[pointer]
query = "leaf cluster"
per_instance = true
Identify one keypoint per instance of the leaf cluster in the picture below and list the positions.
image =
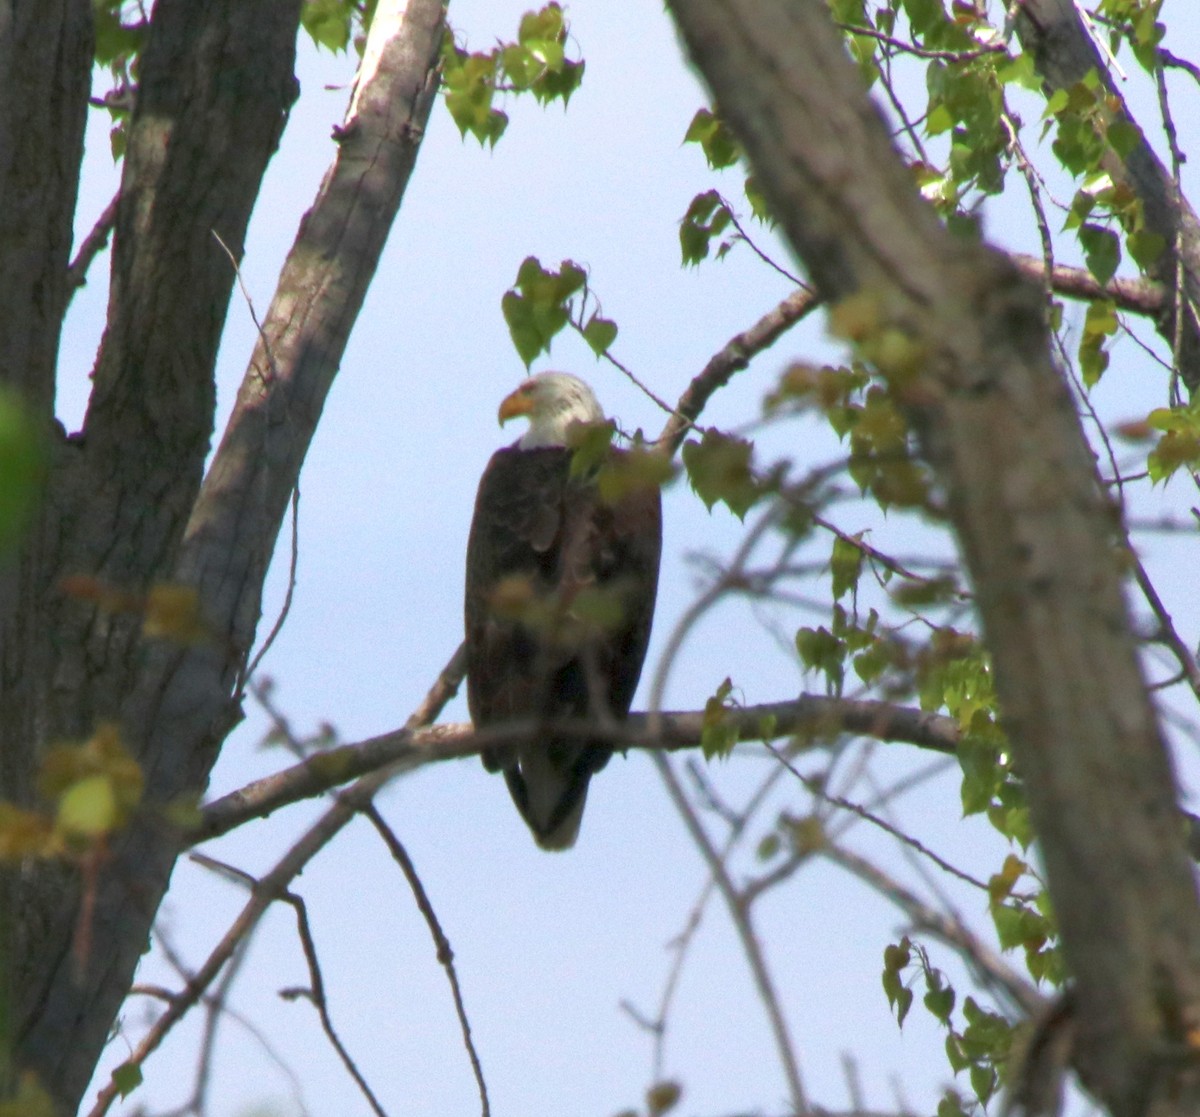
(535, 62)
(709, 215)
(542, 302)
(979, 1042)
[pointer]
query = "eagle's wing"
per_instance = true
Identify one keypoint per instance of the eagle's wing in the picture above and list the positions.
(512, 553)
(559, 602)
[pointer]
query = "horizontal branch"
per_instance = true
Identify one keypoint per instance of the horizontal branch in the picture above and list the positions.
(1138, 296)
(816, 717)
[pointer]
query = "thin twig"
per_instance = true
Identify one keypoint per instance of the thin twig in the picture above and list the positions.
(739, 913)
(286, 607)
(316, 993)
(762, 255)
(271, 888)
(1178, 63)
(1167, 633)
(445, 955)
(1177, 158)
(277, 627)
(925, 52)
(815, 788)
(93, 244)
(989, 968)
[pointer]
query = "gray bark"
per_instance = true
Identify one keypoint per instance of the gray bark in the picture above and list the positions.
(996, 422)
(128, 504)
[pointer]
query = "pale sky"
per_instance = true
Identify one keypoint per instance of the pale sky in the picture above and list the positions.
(547, 946)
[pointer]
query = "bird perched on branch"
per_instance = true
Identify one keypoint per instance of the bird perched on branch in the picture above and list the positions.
(562, 571)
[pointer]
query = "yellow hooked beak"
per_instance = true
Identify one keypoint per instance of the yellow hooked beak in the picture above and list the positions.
(516, 404)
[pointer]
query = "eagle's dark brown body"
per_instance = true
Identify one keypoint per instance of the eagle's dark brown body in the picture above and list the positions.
(561, 558)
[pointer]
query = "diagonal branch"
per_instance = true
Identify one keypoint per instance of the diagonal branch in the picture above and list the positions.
(269, 888)
(732, 358)
(1063, 52)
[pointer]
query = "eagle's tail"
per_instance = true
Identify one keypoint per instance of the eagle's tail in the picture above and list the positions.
(549, 785)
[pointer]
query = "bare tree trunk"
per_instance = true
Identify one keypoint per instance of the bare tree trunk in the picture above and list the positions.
(126, 502)
(997, 423)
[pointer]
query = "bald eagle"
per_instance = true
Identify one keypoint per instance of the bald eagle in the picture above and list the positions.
(559, 601)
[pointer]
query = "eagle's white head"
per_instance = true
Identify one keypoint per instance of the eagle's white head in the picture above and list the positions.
(552, 402)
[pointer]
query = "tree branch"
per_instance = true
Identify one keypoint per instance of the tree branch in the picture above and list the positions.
(732, 358)
(1063, 52)
(811, 718)
(267, 890)
(989, 968)
(1138, 296)
(92, 245)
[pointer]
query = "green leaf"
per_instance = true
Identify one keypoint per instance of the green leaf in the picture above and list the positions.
(1179, 446)
(896, 958)
(1099, 324)
(954, 1053)
(328, 23)
(662, 1097)
(545, 24)
(940, 1003)
(590, 444)
(951, 1106)
(718, 143)
(469, 81)
(600, 333)
(983, 1081)
(924, 15)
(758, 203)
(560, 83)
(707, 217)
(127, 1078)
(1055, 103)
(114, 39)
(718, 467)
(1146, 248)
(1001, 884)
(636, 470)
(820, 650)
(718, 734)
(536, 307)
(1102, 250)
(88, 808)
(845, 565)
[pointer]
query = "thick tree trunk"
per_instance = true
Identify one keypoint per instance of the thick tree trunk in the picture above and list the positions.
(45, 75)
(126, 504)
(996, 422)
(216, 84)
